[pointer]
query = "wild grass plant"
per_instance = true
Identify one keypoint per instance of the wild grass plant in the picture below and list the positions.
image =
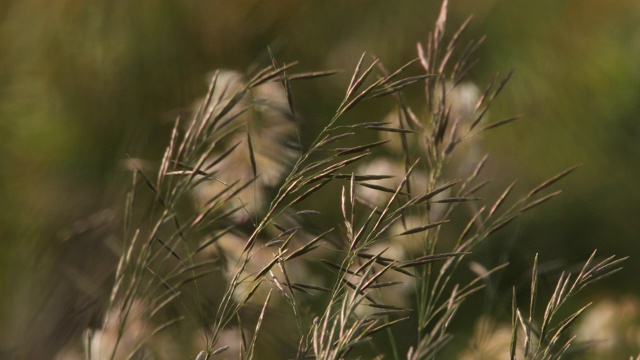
(223, 255)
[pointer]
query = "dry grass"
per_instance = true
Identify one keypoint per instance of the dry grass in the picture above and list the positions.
(222, 237)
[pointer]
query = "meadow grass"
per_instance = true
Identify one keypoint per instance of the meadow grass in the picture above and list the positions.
(223, 255)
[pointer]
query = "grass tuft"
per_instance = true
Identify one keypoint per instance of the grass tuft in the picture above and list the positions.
(232, 215)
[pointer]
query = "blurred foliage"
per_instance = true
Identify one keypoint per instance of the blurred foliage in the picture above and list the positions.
(85, 85)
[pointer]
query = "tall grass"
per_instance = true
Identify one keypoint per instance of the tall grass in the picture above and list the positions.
(221, 255)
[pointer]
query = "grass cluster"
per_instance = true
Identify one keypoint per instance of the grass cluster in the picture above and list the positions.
(223, 257)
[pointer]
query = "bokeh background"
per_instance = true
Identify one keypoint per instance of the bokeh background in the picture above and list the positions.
(84, 85)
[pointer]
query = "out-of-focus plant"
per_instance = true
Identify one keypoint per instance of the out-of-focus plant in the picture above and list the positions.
(223, 237)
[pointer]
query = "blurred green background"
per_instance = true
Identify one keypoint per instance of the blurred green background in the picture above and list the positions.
(85, 84)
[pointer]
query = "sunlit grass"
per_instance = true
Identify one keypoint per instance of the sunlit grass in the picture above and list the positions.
(223, 256)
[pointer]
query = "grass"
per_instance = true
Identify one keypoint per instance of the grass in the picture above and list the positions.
(221, 256)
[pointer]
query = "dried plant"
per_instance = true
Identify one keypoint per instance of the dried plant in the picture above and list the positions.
(550, 338)
(221, 236)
